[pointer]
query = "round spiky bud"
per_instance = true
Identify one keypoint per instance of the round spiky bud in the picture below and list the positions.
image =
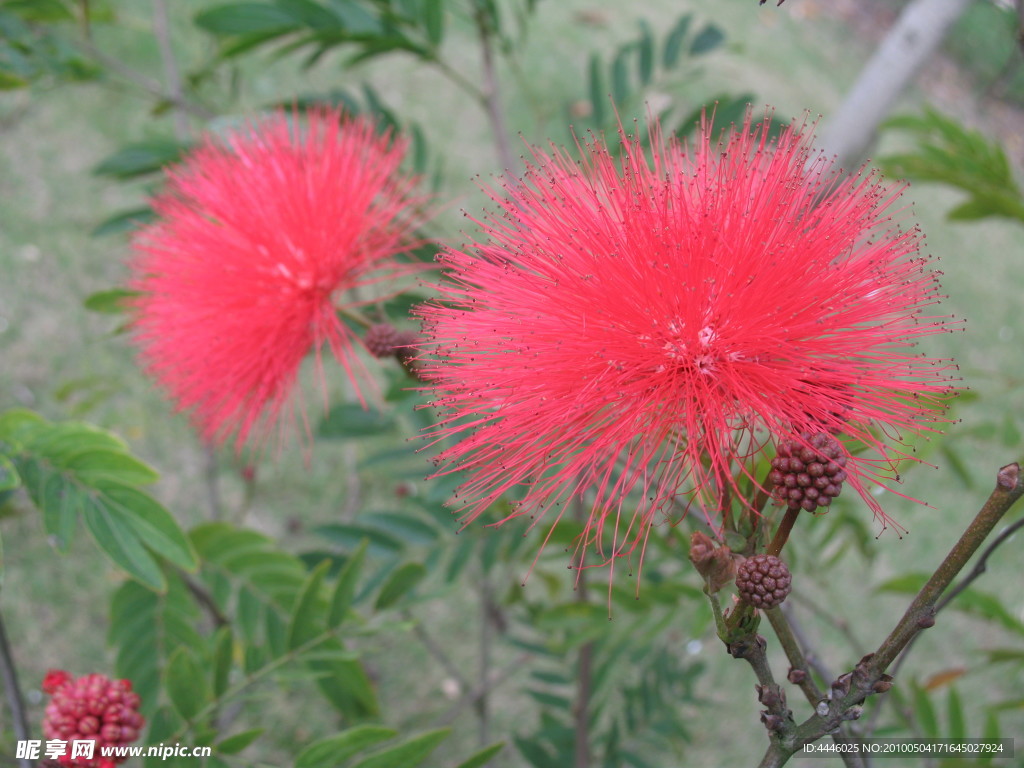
(95, 708)
(763, 581)
(808, 473)
(381, 339)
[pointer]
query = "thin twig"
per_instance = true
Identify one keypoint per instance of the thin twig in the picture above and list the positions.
(802, 660)
(205, 599)
(840, 624)
(484, 688)
(584, 670)
(15, 702)
(149, 85)
(851, 689)
(979, 568)
(491, 96)
(175, 93)
(211, 478)
(435, 650)
(483, 710)
(801, 663)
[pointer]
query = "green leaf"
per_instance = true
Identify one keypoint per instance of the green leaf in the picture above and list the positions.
(232, 745)
(141, 158)
(153, 525)
(398, 584)
(646, 53)
(349, 536)
(308, 619)
(345, 684)
(598, 93)
(707, 40)
(991, 732)
(954, 708)
(312, 15)
(409, 753)
(971, 600)
(223, 657)
(674, 42)
(356, 18)
(10, 81)
(93, 466)
(110, 302)
(621, 90)
(335, 750)
(481, 758)
(949, 153)
(39, 10)
(146, 627)
(350, 420)
(997, 655)
(246, 18)
(433, 21)
(405, 526)
(462, 554)
(907, 583)
(125, 221)
(120, 544)
(345, 589)
(185, 684)
(9, 477)
(925, 712)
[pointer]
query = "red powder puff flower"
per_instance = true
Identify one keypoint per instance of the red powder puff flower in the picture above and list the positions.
(633, 331)
(90, 708)
(258, 235)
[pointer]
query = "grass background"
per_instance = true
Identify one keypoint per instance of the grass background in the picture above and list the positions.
(63, 361)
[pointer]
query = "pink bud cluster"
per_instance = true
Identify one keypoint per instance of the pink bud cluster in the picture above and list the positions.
(92, 707)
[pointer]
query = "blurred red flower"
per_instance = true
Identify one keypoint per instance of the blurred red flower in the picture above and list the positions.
(259, 234)
(631, 331)
(90, 708)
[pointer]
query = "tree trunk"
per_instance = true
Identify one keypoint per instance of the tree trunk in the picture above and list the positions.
(920, 29)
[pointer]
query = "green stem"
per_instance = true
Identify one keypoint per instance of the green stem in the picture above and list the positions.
(356, 317)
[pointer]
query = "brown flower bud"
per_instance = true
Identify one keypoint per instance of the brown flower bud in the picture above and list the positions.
(716, 564)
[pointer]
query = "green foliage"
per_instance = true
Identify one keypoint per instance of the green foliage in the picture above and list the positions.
(272, 618)
(336, 749)
(636, 66)
(75, 471)
(949, 153)
(142, 158)
(36, 46)
(369, 29)
(985, 43)
(970, 600)
(642, 685)
(114, 301)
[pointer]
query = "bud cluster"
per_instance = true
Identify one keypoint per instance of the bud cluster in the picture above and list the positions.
(763, 581)
(384, 340)
(93, 707)
(808, 473)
